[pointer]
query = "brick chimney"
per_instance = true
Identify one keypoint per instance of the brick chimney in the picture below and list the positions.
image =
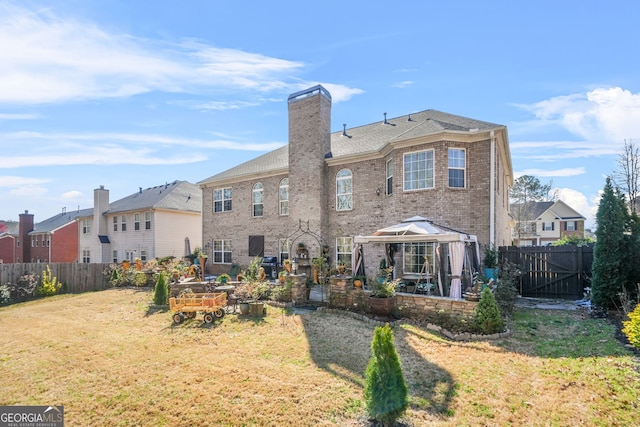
(23, 251)
(309, 143)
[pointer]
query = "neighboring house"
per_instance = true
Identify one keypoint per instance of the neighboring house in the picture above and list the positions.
(56, 239)
(151, 223)
(8, 236)
(325, 188)
(542, 223)
(156, 222)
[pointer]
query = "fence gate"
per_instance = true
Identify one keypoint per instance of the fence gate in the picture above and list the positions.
(552, 271)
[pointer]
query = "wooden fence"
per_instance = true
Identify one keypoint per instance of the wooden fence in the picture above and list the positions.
(76, 277)
(552, 271)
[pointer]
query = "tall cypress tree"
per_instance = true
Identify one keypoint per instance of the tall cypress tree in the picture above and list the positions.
(611, 266)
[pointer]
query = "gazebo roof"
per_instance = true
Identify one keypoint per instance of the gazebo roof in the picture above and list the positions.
(416, 229)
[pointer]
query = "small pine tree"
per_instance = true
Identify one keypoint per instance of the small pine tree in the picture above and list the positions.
(631, 327)
(488, 318)
(161, 291)
(385, 391)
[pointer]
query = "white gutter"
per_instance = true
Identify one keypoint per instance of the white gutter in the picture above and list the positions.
(492, 196)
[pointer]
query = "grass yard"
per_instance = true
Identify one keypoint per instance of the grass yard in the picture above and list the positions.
(113, 361)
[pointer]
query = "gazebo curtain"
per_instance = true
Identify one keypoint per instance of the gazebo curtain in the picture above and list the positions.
(456, 254)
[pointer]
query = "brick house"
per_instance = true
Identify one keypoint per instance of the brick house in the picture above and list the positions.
(56, 239)
(325, 188)
(8, 236)
(542, 223)
(150, 223)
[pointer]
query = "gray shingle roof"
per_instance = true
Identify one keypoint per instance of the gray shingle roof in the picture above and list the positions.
(532, 210)
(177, 195)
(365, 139)
(57, 221)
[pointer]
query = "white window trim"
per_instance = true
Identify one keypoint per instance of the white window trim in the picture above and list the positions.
(258, 188)
(433, 161)
(223, 199)
(463, 169)
(349, 195)
(282, 202)
(389, 177)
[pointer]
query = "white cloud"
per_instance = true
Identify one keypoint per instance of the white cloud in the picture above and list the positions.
(339, 93)
(72, 195)
(600, 116)
(28, 191)
(403, 84)
(551, 173)
(113, 149)
(18, 181)
(44, 60)
(9, 116)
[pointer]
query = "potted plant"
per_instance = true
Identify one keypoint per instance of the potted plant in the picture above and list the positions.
(490, 262)
(287, 265)
(382, 298)
(281, 276)
(341, 267)
(223, 278)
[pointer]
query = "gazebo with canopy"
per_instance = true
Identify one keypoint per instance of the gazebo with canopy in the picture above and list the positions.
(462, 248)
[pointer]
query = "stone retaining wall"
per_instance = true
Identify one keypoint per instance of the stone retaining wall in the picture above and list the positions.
(343, 295)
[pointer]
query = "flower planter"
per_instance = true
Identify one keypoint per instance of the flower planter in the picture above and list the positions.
(381, 307)
(257, 309)
(244, 307)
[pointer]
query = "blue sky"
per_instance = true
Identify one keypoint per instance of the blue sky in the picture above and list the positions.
(131, 94)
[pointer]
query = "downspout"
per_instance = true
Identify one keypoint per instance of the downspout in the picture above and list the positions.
(492, 192)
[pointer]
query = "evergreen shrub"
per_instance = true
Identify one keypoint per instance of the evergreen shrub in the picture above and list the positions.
(488, 318)
(385, 391)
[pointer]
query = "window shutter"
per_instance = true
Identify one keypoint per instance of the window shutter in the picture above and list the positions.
(256, 245)
(553, 225)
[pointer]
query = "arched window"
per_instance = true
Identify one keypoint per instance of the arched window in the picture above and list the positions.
(344, 190)
(283, 196)
(258, 193)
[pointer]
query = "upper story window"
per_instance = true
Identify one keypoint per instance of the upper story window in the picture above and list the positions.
(548, 226)
(124, 223)
(390, 176)
(418, 170)
(457, 166)
(257, 197)
(86, 226)
(283, 196)
(147, 220)
(115, 223)
(136, 221)
(86, 256)
(344, 190)
(222, 200)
